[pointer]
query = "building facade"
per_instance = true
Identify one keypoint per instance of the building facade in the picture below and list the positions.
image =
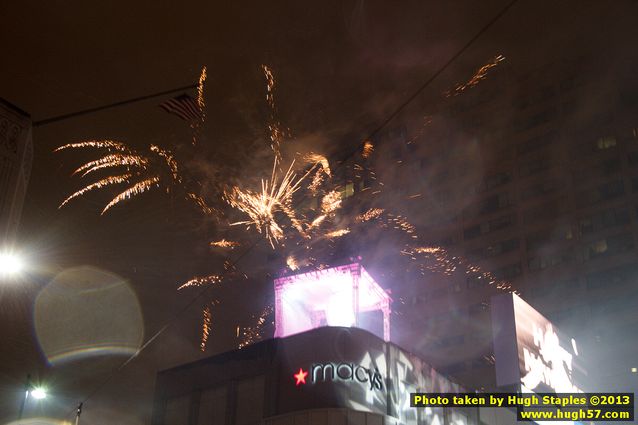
(16, 158)
(328, 375)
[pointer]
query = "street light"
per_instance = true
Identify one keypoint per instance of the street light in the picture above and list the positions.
(36, 392)
(39, 393)
(10, 264)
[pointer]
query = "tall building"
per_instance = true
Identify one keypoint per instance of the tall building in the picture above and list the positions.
(531, 176)
(16, 157)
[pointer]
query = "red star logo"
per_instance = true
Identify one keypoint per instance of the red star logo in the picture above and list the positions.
(300, 377)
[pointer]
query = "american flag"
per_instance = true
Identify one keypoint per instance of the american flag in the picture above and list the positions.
(184, 107)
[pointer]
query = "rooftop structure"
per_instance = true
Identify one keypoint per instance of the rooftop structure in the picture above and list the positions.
(338, 296)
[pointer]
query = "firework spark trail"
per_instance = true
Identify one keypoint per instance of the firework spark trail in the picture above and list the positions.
(199, 201)
(201, 280)
(315, 184)
(337, 233)
(201, 103)
(277, 134)
(371, 214)
(170, 161)
(480, 75)
(319, 177)
(254, 333)
(427, 120)
(331, 202)
(316, 158)
(223, 243)
(196, 125)
(134, 190)
(368, 148)
(261, 207)
(291, 262)
(111, 180)
(448, 264)
(113, 160)
(137, 165)
(400, 223)
(104, 144)
(206, 325)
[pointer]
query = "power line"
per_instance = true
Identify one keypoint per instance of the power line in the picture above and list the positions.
(109, 106)
(396, 112)
(454, 57)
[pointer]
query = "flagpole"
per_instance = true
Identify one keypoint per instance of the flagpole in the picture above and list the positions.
(112, 105)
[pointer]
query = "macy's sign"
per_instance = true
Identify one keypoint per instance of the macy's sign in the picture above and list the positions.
(322, 372)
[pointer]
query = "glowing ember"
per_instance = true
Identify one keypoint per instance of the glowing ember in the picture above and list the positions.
(337, 233)
(368, 148)
(448, 264)
(223, 243)
(315, 158)
(206, 324)
(331, 202)
(480, 75)
(371, 214)
(170, 161)
(277, 134)
(201, 280)
(254, 333)
(291, 262)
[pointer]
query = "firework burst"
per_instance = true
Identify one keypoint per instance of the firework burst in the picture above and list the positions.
(306, 233)
(261, 207)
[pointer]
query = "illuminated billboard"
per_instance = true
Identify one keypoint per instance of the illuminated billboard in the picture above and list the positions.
(337, 296)
(531, 354)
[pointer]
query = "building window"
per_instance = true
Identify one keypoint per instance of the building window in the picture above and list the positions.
(489, 205)
(603, 192)
(347, 191)
(507, 272)
(557, 233)
(493, 181)
(177, 410)
(603, 220)
(612, 277)
(479, 308)
(250, 401)
(539, 189)
(535, 166)
(535, 143)
(606, 142)
(212, 407)
(546, 211)
(551, 260)
(609, 246)
(489, 226)
(493, 250)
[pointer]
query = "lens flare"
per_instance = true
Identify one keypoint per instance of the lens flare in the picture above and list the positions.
(86, 312)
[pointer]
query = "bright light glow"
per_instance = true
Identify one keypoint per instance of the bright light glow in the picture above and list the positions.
(10, 264)
(39, 393)
(634, 370)
(329, 297)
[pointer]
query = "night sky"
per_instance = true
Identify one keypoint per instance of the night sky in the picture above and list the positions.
(341, 69)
